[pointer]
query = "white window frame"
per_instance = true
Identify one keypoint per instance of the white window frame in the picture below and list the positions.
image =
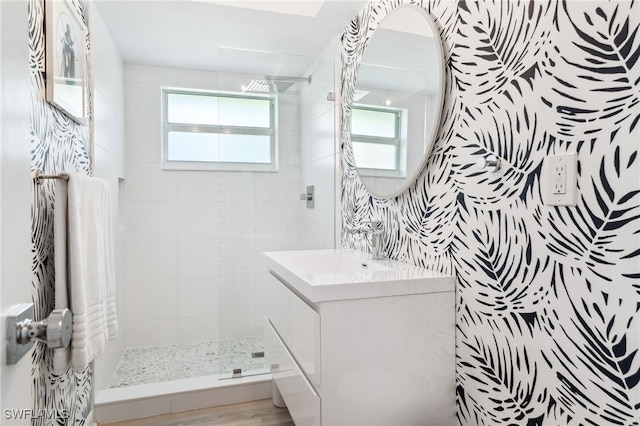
(399, 141)
(167, 127)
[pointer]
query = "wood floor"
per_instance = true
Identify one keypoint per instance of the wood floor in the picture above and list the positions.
(254, 413)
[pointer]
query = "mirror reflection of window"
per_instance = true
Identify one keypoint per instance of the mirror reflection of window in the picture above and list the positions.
(402, 69)
(376, 137)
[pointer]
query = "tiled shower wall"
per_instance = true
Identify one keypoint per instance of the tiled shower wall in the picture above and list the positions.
(548, 298)
(319, 150)
(194, 238)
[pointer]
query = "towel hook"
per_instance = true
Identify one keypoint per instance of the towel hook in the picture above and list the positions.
(490, 162)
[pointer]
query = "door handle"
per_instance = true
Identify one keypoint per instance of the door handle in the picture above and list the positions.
(22, 331)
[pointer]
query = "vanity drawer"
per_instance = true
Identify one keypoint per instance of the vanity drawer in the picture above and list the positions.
(298, 393)
(298, 325)
(305, 338)
(279, 308)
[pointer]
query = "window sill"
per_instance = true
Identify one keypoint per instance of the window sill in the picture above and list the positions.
(218, 167)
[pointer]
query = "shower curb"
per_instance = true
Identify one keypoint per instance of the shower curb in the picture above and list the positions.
(114, 405)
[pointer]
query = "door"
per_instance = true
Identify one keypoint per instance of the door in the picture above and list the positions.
(15, 202)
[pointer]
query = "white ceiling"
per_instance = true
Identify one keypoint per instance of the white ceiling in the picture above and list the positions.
(298, 7)
(225, 35)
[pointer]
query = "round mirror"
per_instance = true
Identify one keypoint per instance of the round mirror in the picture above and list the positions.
(397, 101)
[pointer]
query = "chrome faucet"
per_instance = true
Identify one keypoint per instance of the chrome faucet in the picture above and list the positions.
(376, 229)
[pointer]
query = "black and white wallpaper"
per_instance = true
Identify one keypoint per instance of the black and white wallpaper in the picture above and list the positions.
(57, 143)
(548, 297)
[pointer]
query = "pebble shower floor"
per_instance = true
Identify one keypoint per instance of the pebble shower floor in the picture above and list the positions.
(155, 364)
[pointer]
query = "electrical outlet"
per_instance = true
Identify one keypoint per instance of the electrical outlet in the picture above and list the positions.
(561, 179)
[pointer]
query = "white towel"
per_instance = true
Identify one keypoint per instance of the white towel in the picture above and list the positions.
(90, 287)
(61, 298)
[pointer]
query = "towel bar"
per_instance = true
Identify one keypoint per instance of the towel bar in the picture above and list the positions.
(38, 177)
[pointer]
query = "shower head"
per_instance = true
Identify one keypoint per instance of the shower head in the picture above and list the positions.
(274, 84)
(268, 86)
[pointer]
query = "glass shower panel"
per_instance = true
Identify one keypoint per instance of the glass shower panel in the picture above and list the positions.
(264, 209)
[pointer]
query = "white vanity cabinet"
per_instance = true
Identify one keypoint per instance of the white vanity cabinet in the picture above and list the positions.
(360, 342)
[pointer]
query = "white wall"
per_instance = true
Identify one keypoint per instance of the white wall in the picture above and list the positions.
(15, 194)
(319, 150)
(194, 238)
(108, 156)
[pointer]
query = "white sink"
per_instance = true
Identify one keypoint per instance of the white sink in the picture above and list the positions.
(323, 275)
(331, 262)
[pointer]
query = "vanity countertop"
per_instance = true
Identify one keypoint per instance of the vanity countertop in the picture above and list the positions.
(339, 274)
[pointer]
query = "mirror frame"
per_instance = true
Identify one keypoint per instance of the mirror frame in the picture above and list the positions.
(354, 42)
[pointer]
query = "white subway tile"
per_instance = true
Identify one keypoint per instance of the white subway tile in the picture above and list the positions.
(234, 293)
(152, 221)
(105, 166)
(152, 300)
(198, 221)
(148, 332)
(142, 103)
(288, 148)
(238, 186)
(198, 297)
(104, 121)
(199, 187)
(323, 82)
(196, 79)
(150, 75)
(236, 220)
(234, 325)
(195, 329)
(144, 143)
(155, 260)
(146, 182)
(323, 136)
(198, 259)
(282, 186)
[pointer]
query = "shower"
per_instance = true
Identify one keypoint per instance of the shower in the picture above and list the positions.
(195, 278)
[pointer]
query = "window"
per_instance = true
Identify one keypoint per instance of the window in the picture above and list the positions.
(218, 131)
(376, 137)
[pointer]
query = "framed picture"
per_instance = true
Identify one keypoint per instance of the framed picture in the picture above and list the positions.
(65, 59)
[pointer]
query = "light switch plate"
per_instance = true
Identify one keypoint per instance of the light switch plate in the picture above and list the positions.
(561, 180)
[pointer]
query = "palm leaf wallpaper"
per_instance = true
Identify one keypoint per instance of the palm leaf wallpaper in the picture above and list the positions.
(57, 143)
(548, 297)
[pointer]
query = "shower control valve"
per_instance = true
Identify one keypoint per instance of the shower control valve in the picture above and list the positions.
(308, 196)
